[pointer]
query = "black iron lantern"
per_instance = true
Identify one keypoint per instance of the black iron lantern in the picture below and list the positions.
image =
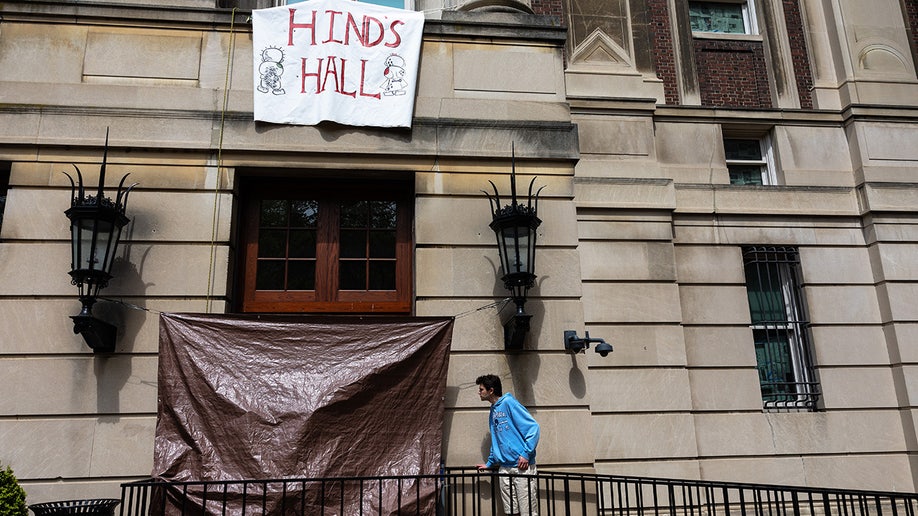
(515, 226)
(96, 222)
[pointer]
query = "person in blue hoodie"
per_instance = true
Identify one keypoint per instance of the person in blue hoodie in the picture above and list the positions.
(514, 437)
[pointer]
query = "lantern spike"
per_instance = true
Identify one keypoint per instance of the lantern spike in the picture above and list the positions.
(102, 170)
(496, 197)
(512, 173)
(123, 198)
(123, 194)
(80, 191)
(536, 207)
(529, 196)
(72, 188)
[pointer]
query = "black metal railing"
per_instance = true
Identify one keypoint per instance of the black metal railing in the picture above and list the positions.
(466, 492)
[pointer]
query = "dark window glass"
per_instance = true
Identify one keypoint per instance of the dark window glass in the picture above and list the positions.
(723, 17)
(736, 149)
(365, 233)
(286, 232)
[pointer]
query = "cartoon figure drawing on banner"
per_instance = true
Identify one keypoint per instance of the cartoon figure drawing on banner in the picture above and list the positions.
(270, 71)
(395, 83)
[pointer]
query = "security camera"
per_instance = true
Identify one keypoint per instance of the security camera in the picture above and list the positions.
(574, 344)
(603, 348)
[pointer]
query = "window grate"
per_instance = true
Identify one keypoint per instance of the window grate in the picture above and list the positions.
(780, 327)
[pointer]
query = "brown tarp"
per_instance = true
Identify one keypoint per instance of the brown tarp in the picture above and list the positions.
(281, 397)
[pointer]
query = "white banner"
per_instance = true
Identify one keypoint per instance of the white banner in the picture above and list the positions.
(349, 62)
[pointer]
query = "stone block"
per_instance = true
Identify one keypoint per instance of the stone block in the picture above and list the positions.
(643, 436)
(438, 222)
(910, 379)
(624, 230)
(624, 193)
(638, 345)
(719, 346)
(478, 322)
(42, 326)
(58, 47)
(687, 469)
(709, 264)
(791, 433)
(867, 472)
(475, 272)
(467, 440)
(651, 261)
(148, 54)
(843, 304)
(507, 70)
(535, 380)
(903, 334)
(810, 155)
(756, 470)
(689, 144)
(832, 264)
(85, 385)
(72, 447)
(849, 345)
(470, 180)
(56, 490)
(640, 390)
(519, 108)
(616, 135)
(725, 389)
(702, 304)
(173, 216)
(879, 197)
(619, 166)
(631, 303)
(802, 231)
(896, 262)
(768, 200)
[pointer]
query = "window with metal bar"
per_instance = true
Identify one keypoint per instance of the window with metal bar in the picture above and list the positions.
(780, 327)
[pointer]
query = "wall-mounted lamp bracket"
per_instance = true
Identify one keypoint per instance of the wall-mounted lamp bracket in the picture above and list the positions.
(515, 330)
(98, 334)
(575, 344)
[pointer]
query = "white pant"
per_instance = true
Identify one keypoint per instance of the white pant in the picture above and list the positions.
(525, 495)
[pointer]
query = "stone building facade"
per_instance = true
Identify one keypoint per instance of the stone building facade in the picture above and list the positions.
(730, 201)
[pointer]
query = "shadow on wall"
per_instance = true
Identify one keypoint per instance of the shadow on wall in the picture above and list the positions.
(113, 371)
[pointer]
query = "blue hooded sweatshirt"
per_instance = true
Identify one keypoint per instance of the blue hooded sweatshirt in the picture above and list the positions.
(514, 433)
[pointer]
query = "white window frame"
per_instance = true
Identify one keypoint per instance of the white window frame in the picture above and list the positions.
(408, 4)
(749, 19)
(767, 161)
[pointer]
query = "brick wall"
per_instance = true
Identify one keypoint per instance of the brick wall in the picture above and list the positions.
(911, 15)
(799, 56)
(664, 58)
(548, 8)
(732, 73)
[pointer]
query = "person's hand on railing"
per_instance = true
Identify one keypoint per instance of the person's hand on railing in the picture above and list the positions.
(522, 464)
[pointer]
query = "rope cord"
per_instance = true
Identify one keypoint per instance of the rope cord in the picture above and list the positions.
(500, 304)
(213, 231)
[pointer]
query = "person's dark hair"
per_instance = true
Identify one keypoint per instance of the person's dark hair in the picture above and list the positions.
(490, 381)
